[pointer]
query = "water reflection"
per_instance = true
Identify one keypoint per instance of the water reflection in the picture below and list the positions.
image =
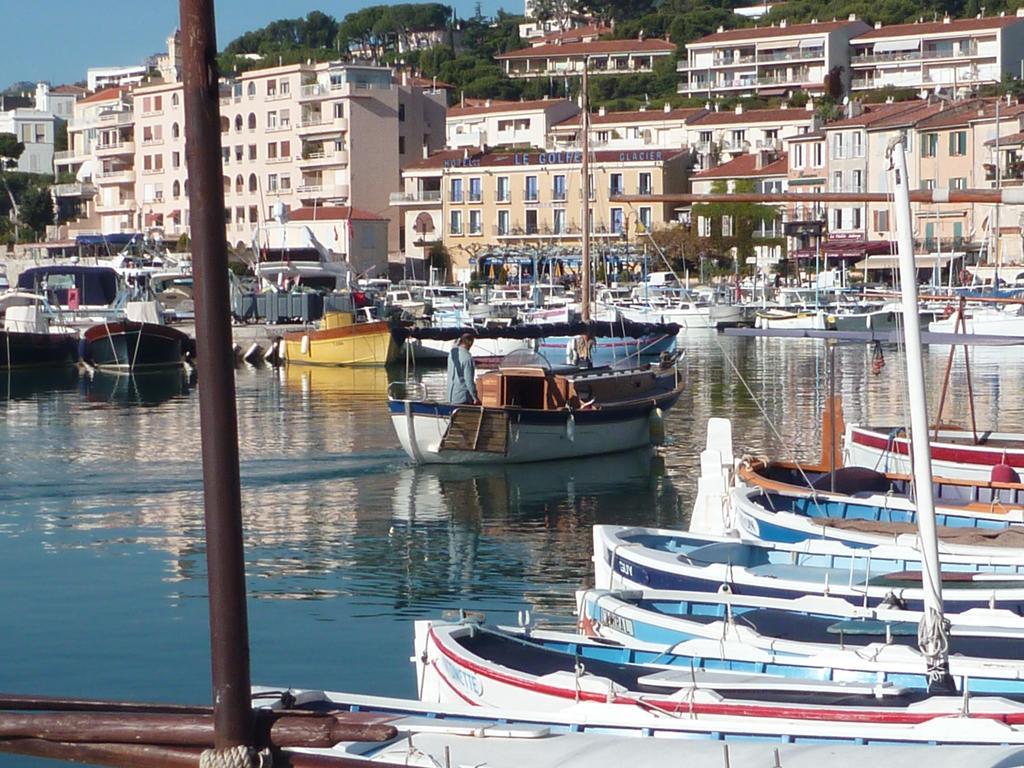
(29, 383)
(101, 508)
(141, 388)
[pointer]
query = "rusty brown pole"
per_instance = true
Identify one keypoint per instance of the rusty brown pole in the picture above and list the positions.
(1009, 196)
(225, 560)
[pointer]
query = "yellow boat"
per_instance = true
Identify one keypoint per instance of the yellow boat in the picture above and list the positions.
(341, 341)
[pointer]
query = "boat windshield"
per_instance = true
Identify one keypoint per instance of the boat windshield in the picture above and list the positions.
(525, 358)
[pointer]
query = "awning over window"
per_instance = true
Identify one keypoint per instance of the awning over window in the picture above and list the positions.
(926, 261)
(895, 46)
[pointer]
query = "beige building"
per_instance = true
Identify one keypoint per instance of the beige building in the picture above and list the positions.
(299, 136)
(484, 201)
(768, 61)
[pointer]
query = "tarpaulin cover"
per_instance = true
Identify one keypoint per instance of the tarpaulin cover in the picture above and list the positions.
(626, 329)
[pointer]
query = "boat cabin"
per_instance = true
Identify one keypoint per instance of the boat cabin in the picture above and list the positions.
(539, 387)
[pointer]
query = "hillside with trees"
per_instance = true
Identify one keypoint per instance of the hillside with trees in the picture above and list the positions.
(465, 57)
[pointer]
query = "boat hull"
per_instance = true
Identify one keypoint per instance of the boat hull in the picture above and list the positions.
(37, 350)
(532, 435)
(356, 344)
(126, 345)
(887, 451)
(650, 559)
(450, 670)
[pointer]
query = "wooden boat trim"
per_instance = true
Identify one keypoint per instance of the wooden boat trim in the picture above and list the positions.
(749, 472)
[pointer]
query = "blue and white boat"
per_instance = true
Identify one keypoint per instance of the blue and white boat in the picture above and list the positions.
(651, 558)
(587, 736)
(761, 515)
(500, 668)
(801, 638)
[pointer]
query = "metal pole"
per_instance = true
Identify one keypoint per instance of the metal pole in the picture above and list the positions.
(585, 170)
(933, 631)
(229, 641)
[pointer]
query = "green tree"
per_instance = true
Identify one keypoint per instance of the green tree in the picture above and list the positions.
(744, 218)
(10, 150)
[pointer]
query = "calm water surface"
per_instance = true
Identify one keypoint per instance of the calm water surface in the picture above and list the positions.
(101, 522)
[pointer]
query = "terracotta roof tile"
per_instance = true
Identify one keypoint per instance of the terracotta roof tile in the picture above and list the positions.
(104, 95)
(745, 166)
(332, 213)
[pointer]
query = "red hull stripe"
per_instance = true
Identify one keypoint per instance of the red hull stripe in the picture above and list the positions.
(879, 716)
(943, 451)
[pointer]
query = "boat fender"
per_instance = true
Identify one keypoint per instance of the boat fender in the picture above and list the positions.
(304, 344)
(253, 353)
(656, 425)
(1004, 473)
(570, 428)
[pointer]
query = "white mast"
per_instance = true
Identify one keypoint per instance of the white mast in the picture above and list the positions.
(933, 633)
(585, 213)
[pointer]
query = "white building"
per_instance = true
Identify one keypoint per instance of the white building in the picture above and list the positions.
(953, 54)
(506, 123)
(768, 61)
(664, 128)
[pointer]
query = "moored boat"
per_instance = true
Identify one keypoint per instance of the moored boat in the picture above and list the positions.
(138, 341)
(531, 412)
(28, 340)
(524, 669)
(341, 341)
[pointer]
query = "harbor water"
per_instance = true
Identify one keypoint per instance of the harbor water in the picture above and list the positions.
(104, 587)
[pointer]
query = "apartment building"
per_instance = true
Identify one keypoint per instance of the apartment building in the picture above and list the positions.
(324, 135)
(768, 169)
(718, 137)
(769, 61)
(957, 54)
(505, 123)
(533, 199)
(34, 120)
(807, 172)
(664, 128)
(604, 57)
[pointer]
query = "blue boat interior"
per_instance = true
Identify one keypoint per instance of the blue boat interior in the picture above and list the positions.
(627, 667)
(819, 628)
(810, 507)
(855, 567)
(856, 481)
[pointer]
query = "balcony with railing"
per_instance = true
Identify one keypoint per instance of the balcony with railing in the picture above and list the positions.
(112, 149)
(790, 54)
(318, 157)
(427, 196)
(310, 124)
(318, 190)
(1009, 171)
(116, 176)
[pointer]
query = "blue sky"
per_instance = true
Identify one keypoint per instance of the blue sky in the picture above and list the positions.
(57, 40)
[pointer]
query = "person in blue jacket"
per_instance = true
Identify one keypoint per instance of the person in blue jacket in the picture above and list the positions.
(462, 373)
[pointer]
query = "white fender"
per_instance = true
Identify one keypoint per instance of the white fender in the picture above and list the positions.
(570, 428)
(304, 344)
(656, 426)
